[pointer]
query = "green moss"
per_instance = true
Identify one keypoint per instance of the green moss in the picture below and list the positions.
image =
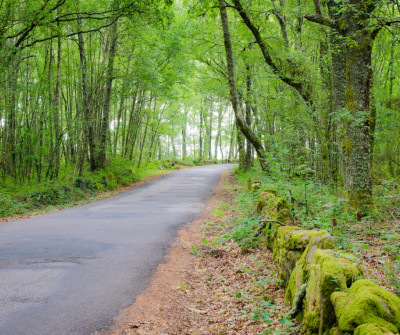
(371, 329)
(281, 248)
(291, 288)
(329, 271)
(285, 216)
(271, 233)
(350, 99)
(322, 240)
(367, 302)
(289, 247)
(333, 331)
(263, 199)
(338, 300)
(274, 208)
(312, 321)
(280, 237)
(255, 186)
(275, 205)
(271, 191)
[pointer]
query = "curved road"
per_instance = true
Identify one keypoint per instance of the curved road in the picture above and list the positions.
(70, 272)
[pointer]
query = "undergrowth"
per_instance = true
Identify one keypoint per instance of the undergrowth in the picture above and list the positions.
(318, 206)
(71, 189)
(250, 284)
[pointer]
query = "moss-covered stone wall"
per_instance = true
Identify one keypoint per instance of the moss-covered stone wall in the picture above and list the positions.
(325, 287)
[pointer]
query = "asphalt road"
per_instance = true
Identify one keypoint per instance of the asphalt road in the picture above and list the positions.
(71, 271)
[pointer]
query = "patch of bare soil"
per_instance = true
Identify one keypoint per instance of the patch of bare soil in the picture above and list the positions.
(209, 287)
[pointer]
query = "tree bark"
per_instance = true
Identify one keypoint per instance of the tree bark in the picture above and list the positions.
(353, 24)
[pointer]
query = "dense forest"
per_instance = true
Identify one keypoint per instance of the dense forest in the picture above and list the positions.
(309, 88)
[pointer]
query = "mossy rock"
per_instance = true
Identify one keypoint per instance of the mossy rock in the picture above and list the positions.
(289, 246)
(285, 216)
(329, 271)
(334, 331)
(311, 321)
(273, 206)
(263, 198)
(338, 300)
(321, 240)
(275, 209)
(271, 191)
(285, 252)
(367, 302)
(255, 186)
(371, 329)
(280, 233)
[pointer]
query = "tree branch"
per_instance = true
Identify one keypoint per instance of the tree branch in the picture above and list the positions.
(382, 25)
(65, 36)
(326, 21)
(297, 85)
(24, 33)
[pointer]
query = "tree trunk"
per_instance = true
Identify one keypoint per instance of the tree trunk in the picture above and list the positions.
(107, 91)
(356, 142)
(87, 110)
(201, 135)
(184, 152)
(241, 122)
(241, 149)
(249, 149)
(353, 24)
(218, 137)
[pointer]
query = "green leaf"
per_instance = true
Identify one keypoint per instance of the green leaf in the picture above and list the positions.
(285, 322)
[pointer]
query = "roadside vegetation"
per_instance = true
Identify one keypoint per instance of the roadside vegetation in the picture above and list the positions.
(237, 267)
(375, 239)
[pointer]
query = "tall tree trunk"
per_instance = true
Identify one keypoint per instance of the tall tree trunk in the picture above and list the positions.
(210, 132)
(105, 122)
(231, 142)
(241, 149)
(218, 137)
(338, 99)
(201, 135)
(356, 142)
(353, 24)
(11, 121)
(89, 135)
(249, 149)
(184, 149)
(241, 122)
